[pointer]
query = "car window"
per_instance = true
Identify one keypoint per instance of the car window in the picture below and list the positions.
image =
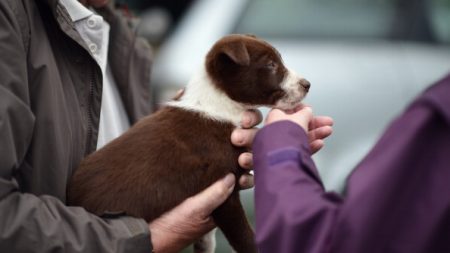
(419, 20)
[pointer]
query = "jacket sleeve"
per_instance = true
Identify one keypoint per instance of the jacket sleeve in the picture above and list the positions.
(30, 223)
(293, 212)
(396, 199)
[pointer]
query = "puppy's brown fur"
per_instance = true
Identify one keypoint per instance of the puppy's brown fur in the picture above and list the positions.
(179, 151)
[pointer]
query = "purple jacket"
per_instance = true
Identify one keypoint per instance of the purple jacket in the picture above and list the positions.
(397, 199)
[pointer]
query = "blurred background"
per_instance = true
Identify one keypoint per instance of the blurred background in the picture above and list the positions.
(366, 59)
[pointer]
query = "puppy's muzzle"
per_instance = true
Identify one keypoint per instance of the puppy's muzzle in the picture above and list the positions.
(304, 84)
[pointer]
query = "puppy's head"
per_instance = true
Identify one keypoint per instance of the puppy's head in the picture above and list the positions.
(251, 72)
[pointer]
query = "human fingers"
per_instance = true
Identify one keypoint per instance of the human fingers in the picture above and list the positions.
(303, 117)
(246, 181)
(245, 160)
(316, 145)
(180, 226)
(319, 133)
(243, 137)
(205, 202)
(320, 121)
(251, 118)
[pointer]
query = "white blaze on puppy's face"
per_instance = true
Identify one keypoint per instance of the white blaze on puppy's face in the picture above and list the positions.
(296, 88)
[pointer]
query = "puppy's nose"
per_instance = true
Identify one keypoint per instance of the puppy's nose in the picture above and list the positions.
(305, 84)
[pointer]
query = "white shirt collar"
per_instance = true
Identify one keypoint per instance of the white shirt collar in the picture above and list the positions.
(76, 10)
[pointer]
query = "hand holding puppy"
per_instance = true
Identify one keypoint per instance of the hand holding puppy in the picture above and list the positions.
(317, 127)
(190, 220)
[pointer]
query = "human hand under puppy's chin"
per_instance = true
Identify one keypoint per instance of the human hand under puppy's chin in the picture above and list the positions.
(300, 115)
(94, 3)
(317, 127)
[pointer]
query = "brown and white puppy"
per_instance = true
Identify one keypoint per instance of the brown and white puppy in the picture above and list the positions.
(185, 147)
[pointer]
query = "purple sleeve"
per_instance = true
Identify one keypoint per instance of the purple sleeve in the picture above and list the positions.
(292, 209)
(397, 199)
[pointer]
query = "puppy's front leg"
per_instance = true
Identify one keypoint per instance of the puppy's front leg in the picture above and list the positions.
(230, 218)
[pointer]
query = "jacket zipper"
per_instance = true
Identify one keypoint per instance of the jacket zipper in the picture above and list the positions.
(89, 114)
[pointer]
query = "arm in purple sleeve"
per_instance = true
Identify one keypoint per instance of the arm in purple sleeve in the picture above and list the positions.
(293, 211)
(397, 199)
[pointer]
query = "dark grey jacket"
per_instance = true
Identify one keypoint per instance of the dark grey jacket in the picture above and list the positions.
(50, 97)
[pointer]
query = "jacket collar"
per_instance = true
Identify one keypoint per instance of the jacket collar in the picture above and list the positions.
(77, 11)
(54, 5)
(64, 21)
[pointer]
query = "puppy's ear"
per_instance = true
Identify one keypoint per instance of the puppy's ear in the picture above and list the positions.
(237, 52)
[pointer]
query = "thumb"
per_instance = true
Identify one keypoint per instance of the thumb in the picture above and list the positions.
(303, 117)
(212, 197)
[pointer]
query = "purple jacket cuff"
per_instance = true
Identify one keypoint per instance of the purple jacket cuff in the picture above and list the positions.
(285, 141)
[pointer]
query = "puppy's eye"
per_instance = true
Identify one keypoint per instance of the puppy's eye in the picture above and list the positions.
(271, 65)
